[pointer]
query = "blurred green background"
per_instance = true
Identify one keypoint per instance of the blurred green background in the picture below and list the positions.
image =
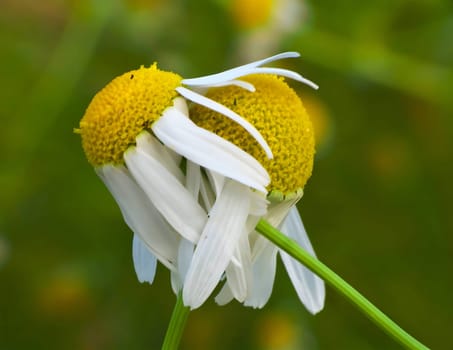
(378, 207)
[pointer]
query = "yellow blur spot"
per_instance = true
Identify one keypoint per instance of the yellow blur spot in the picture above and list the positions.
(277, 331)
(251, 13)
(129, 104)
(64, 297)
(279, 115)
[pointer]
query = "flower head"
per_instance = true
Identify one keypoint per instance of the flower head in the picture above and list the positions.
(278, 114)
(124, 108)
(136, 132)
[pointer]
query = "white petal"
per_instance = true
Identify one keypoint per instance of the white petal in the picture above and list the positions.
(225, 295)
(234, 73)
(144, 261)
(216, 180)
(253, 236)
(178, 132)
(140, 215)
(243, 84)
(309, 287)
(168, 195)
(277, 212)
(175, 281)
(150, 145)
(251, 223)
(284, 73)
(258, 243)
(259, 203)
(193, 178)
(217, 107)
(181, 104)
(175, 156)
(217, 243)
(185, 254)
(239, 271)
(207, 194)
(264, 267)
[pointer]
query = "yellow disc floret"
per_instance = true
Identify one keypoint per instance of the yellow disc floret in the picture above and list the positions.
(278, 114)
(121, 110)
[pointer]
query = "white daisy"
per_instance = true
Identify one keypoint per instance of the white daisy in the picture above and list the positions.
(230, 243)
(136, 132)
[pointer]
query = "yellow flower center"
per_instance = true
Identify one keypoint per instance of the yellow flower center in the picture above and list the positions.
(129, 104)
(278, 114)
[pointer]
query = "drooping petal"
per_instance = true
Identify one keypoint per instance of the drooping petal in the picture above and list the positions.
(225, 295)
(207, 194)
(277, 212)
(179, 133)
(217, 243)
(239, 270)
(217, 107)
(193, 178)
(284, 73)
(237, 72)
(309, 287)
(185, 254)
(216, 180)
(150, 145)
(263, 270)
(168, 195)
(243, 84)
(144, 261)
(181, 104)
(258, 205)
(140, 215)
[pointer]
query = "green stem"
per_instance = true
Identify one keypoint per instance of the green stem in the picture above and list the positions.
(377, 316)
(176, 327)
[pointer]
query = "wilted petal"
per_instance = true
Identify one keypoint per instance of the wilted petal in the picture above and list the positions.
(284, 73)
(263, 270)
(225, 295)
(193, 178)
(242, 84)
(207, 194)
(179, 133)
(168, 195)
(217, 107)
(139, 213)
(216, 180)
(144, 261)
(239, 270)
(309, 287)
(237, 72)
(185, 254)
(217, 243)
(277, 212)
(151, 146)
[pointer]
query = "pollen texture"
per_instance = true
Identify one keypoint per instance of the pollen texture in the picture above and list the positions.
(120, 111)
(279, 115)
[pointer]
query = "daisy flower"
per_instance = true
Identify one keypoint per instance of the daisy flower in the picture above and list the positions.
(278, 114)
(137, 135)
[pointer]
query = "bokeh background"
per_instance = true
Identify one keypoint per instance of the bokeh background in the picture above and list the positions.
(378, 207)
